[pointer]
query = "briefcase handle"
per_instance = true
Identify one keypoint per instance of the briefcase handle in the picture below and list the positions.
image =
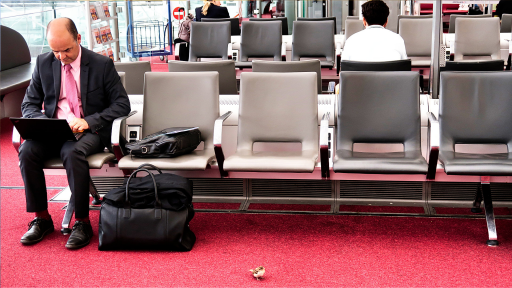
(157, 201)
(150, 166)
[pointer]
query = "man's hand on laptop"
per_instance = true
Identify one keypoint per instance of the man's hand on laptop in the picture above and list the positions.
(78, 125)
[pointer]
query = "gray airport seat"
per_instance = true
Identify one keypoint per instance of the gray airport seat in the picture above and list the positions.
(193, 101)
(379, 107)
(453, 20)
(474, 108)
(352, 26)
(134, 75)
(506, 23)
(319, 19)
(417, 34)
(209, 40)
(314, 39)
(264, 117)
(291, 66)
(477, 39)
(226, 69)
(234, 24)
(284, 23)
(259, 40)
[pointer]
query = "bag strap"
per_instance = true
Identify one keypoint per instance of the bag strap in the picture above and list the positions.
(158, 204)
(150, 166)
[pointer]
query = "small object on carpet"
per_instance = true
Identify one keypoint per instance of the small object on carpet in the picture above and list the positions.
(258, 272)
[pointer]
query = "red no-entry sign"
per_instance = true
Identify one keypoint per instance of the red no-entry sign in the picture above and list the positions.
(178, 13)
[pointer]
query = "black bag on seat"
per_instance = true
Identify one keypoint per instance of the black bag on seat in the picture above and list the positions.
(152, 212)
(170, 142)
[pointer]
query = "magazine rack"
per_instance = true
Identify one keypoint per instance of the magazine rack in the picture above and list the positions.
(101, 33)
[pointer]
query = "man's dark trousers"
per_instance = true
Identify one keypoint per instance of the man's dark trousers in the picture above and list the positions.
(32, 156)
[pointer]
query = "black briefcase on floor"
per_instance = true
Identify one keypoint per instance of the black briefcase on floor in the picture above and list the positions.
(144, 220)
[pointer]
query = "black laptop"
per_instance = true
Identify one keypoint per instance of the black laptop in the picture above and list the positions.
(45, 129)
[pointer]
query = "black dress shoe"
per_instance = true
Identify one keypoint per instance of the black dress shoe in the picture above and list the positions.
(37, 229)
(80, 236)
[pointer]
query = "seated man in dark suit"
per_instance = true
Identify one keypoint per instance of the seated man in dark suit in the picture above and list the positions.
(211, 9)
(84, 88)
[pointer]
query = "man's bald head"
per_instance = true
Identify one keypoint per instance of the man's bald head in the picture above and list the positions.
(63, 24)
(63, 39)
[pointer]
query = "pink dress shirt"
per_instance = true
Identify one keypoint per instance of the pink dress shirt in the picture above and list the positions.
(63, 110)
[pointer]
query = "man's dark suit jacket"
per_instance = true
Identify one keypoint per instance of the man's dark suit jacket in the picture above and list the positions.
(214, 11)
(103, 96)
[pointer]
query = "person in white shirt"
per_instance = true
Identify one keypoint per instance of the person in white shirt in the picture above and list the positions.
(375, 43)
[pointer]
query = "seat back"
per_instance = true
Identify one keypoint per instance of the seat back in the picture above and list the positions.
(379, 107)
(477, 37)
(235, 23)
(417, 34)
(506, 23)
(295, 66)
(474, 108)
(260, 39)
(209, 40)
(226, 69)
(397, 65)
(284, 23)
(313, 39)
(352, 27)
(453, 18)
(265, 114)
(14, 50)
(134, 75)
(319, 19)
(491, 65)
(122, 75)
(181, 100)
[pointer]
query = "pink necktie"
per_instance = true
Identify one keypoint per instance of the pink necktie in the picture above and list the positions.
(71, 91)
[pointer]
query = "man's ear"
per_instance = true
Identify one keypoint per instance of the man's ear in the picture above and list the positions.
(385, 24)
(365, 24)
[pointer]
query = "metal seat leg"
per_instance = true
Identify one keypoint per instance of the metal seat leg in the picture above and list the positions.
(478, 201)
(94, 193)
(489, 212)
(70, 209)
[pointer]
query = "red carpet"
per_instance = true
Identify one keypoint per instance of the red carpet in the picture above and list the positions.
(296, 250)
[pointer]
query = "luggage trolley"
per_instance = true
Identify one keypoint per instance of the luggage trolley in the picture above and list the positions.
(147, 38)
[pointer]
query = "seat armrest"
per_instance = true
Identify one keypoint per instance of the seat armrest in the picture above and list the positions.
(217, 142)
(116, 135)
(324, 145)
(16, 139)
(433, 145)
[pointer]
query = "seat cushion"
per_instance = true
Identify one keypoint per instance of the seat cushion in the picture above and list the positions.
(240, 64)
(496, 164)
(326, 64)
(197, 160)
(289, 161)
(96, 161)
(410, 162)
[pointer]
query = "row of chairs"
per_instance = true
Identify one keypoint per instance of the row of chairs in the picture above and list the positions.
(373, 107)
(316, 40)
(263, 39)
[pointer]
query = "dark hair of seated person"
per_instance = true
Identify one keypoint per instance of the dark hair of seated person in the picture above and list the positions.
(375, 12)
